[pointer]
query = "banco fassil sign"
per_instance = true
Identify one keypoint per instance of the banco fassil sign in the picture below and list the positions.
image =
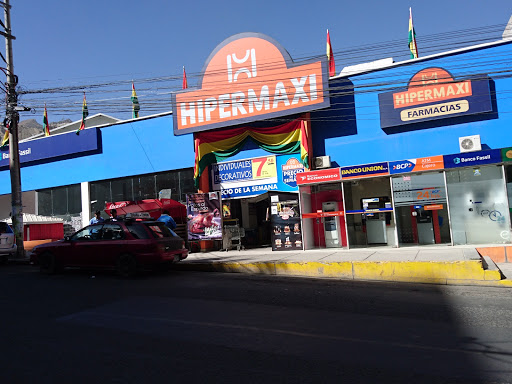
(433, 93)
(250, 77)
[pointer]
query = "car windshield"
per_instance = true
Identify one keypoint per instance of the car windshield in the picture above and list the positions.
(159, 230)
(4, 227)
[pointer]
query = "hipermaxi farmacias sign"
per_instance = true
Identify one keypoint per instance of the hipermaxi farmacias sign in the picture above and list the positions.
(250, 77)
(433, 93)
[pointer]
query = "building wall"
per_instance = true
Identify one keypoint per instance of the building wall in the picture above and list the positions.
(362, 141)
(28, 199)
(132, 148)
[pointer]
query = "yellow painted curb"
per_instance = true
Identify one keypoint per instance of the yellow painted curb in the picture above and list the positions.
(456, 273)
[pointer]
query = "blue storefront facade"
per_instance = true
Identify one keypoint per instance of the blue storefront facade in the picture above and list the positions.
(417, 153)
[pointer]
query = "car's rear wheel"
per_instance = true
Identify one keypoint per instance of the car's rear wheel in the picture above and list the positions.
(127, 265)
(47, 263)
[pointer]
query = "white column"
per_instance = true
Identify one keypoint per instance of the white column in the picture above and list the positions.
(86, 203)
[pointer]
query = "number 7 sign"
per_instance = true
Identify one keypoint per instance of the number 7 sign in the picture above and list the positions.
(264, 167)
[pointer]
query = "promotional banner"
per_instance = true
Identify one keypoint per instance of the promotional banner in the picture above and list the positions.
(250, 77)
(204, 217)
(432, 94)
(286, 226)
(252, 177)
(472, 158)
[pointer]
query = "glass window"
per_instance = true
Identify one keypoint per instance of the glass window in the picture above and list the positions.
(74, 199)
(168, 180)
(144, 187)
(44, 202)
(138, 231)
(478, 205)
(92, 232)
(159, 230)
(100, 194)
(60, 201)
(112, 232)
(122, 189)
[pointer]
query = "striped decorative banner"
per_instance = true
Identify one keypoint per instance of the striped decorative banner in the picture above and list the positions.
(215, 146)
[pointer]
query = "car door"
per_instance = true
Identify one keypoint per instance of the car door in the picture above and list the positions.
(86, 247)
(112, 244)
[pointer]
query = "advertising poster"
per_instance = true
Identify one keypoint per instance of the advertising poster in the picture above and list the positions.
(203, 214)
(285, 219)
(251, 177)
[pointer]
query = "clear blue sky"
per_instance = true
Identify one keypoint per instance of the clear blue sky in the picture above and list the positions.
(96, 42)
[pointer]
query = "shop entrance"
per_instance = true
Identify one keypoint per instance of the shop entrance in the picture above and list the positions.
(369, 212)
(478, 205)
(421, 209)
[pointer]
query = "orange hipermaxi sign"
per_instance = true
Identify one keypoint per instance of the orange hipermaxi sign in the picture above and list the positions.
(250, 77)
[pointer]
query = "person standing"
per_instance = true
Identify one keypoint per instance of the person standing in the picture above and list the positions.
(97, 218)
(167, 219)
(113, 215)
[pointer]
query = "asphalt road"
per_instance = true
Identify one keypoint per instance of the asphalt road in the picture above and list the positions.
(227, 328)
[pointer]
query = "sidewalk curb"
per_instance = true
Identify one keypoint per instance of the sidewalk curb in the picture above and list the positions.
(447, 273)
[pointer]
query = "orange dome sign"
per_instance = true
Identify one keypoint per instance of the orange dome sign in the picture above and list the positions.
(250, 77)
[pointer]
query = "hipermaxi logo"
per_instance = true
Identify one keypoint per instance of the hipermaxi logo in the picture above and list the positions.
(249, 77)
(433, 93)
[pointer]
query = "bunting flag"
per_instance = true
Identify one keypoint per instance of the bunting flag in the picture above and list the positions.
(135, 102)
(185, 84)
(215, 146)
(330, 57)
(85, 113)
(46, 127)
(412, 38)
(5, 140)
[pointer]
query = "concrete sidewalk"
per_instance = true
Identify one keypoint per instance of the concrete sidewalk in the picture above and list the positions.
(428, 264)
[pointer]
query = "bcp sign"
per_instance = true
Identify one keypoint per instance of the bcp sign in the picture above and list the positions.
(250, 77)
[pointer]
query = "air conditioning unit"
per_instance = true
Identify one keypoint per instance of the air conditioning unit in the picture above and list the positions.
(322, 162)
(470, 143)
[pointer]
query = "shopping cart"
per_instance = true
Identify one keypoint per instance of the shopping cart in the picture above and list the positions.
(233, 237)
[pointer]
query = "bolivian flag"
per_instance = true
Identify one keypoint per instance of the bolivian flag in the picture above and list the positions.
(85, 113)
(135, 102)
(215, 146)
(330, 57)
(46, 127)
(412, 38)
(5, 140)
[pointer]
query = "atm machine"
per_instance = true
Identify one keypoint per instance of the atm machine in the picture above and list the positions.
(331, 225)
(375, 221)
(425, 227)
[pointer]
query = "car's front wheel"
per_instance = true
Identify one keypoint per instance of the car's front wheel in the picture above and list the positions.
(127, 265)
(47, 263)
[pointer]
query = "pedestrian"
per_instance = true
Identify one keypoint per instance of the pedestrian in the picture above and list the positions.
(97, 218)
(113, 215)
(167, 219)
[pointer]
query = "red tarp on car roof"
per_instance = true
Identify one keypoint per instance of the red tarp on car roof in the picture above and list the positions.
(153, 206)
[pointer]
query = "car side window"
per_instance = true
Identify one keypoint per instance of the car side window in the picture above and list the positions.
(92, 232)
(138, 231)
(112, 232)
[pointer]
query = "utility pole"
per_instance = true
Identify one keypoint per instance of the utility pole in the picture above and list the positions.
(12, 117)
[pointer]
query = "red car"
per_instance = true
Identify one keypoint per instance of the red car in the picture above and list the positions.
(126, 246)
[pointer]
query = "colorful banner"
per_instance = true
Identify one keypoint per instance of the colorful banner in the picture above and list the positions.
(203, 214)
(358, 171)
(252, 177)
(472, 158)
(213, 147)
(432, 94)
(416, 165)
(250, 77)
